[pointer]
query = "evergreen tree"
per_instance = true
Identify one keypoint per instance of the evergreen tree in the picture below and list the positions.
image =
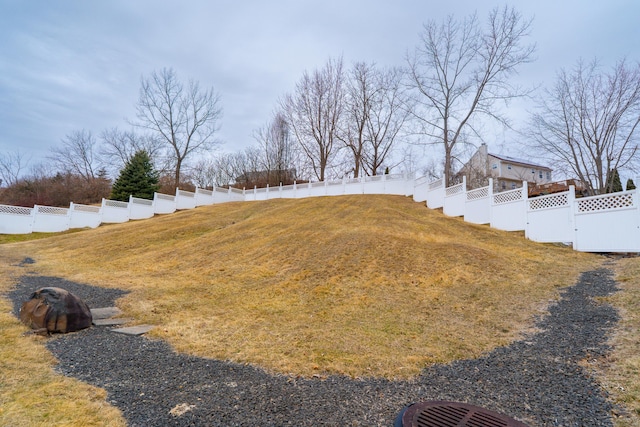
(615, 184)
(138, 178)
(630, 184)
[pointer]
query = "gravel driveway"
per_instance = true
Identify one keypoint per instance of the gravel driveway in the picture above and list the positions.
(536, 380)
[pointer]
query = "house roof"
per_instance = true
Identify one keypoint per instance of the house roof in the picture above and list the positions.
(518, 161)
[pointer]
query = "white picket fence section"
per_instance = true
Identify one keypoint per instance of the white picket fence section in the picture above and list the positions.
(605, 223)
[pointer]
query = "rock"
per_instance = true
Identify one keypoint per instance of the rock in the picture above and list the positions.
(55, 310)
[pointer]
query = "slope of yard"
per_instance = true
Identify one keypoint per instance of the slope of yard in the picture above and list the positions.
(355, 285)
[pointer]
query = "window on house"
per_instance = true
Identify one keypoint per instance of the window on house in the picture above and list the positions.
(494, 166)
(508, 166)
(504, 186)
(513, 185)
(548, 175)
(540, 174)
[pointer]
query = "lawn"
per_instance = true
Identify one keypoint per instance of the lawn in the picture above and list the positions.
(363, 286)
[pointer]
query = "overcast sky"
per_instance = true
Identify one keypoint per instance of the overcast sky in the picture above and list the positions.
(70, 65)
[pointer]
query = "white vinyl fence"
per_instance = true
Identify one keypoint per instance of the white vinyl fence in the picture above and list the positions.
(606, 223)
(22, 220)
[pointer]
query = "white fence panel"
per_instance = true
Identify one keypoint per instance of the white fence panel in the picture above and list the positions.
(455, 199)
(435, 194)
(373, 184)
(477, 209)
(317, 189)
(204, 197)
(164, 203)
(16, 220)
(140, 208)
(398, 184)
(509, 209)
(185, 199)
(49, 219)
(353, 186)
(114, 211)
(258, 194)
(236, 195)
(82, 216)
(335, 188)
(550, 218)
(288, 191)
(420, 189)
(608, 223)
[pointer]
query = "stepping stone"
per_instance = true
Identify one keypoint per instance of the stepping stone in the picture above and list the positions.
(134, 330)
(111, 322)
(105, 312)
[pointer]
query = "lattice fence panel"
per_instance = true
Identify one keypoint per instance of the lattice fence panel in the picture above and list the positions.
(479, 193)
(606, 202)
(86, 208)
(184, 193)
(456, 189)
(546, 202)
(15, 210)
(139, 201)
(168, 197)
(507, 196)
(204, 191)
(50, 210)
(116, 204)
(435, 184)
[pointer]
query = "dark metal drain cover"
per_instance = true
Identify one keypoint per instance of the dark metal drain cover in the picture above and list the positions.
(452, 414)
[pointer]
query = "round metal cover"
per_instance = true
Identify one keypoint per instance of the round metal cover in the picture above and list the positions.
(453, 414)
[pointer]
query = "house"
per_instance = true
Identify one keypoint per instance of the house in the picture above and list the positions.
(266, 177)
(507, 172)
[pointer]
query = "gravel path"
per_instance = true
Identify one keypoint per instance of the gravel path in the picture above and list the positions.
(536, 380)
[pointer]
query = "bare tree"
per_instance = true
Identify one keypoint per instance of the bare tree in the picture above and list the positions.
(589, 121)
(313, 113)
(78, 155)
(277, 150)
(11, 166)
(460, 71)
(118, 148)
(386, 119)
(185, 118)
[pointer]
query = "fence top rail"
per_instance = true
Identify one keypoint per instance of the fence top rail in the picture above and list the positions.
(185, 193)
(235, 190)
(15, 210)
(422, 180)
(604, 202)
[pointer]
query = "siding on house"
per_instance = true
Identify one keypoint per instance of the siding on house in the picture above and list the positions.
(507, 172)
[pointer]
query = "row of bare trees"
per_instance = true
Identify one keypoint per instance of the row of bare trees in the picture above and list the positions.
(349, 121)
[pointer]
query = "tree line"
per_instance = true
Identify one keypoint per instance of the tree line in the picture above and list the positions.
(364, 119)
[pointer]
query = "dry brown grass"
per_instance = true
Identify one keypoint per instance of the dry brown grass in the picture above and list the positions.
(620, 373)
(354, 285)
(31, 393)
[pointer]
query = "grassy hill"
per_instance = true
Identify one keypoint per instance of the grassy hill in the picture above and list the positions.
(354, 285)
